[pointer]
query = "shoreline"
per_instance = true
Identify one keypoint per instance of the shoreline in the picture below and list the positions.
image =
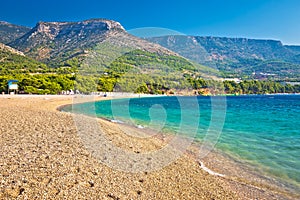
(183, 177)
(250, 176)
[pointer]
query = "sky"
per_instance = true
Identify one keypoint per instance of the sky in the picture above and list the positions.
(261, 19)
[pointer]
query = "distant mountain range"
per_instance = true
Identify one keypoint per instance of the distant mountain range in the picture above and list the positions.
(237, 56)
(57, 43)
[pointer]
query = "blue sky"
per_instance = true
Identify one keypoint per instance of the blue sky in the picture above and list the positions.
(266, 19)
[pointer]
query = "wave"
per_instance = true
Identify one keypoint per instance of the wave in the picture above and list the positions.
(117, 121)
(209, 170)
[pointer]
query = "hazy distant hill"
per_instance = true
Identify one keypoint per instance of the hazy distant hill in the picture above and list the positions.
(220, 48)
(295, 49)
(237, 56)
(10, 32)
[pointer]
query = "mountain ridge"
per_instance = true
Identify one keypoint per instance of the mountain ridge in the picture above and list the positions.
(59, 41)
(99, 55)
(224, 43)
(10, 32)
(237, 56)
(55, 43)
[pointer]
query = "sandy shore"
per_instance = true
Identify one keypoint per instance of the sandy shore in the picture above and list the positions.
(42, 157)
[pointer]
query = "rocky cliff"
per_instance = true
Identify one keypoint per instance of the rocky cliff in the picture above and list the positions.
(59, 41)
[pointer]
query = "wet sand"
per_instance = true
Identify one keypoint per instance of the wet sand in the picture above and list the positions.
(43, 157)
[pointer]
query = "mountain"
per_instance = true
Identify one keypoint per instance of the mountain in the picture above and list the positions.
(99, 55)
(13, 61)
(98, 42)
(100, 49)
(293, 48)
(237, 56)
(296, 50)
(58, 42)
(10, 32)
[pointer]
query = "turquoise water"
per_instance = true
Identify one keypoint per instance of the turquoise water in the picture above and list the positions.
(264, 131)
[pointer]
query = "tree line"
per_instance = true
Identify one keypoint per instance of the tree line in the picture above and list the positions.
(56, 83)
(136, 71)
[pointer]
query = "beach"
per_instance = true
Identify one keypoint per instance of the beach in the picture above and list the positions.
(42, 157)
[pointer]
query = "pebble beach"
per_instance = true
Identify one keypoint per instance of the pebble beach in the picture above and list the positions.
(42, 157)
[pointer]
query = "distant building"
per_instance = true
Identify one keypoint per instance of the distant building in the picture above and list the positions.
(12, 85)
(237, 80)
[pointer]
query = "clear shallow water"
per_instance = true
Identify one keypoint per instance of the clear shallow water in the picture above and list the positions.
(263, 131)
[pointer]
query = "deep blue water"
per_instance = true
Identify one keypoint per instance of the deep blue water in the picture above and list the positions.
(261, 130)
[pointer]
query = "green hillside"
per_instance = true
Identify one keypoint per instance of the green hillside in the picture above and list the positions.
(11, 63)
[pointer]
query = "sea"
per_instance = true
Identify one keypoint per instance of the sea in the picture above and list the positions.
(262, 131)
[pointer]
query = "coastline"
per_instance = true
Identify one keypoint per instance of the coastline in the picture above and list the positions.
(51, 143)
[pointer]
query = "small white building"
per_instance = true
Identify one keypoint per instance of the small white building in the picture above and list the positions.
(12, 85)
